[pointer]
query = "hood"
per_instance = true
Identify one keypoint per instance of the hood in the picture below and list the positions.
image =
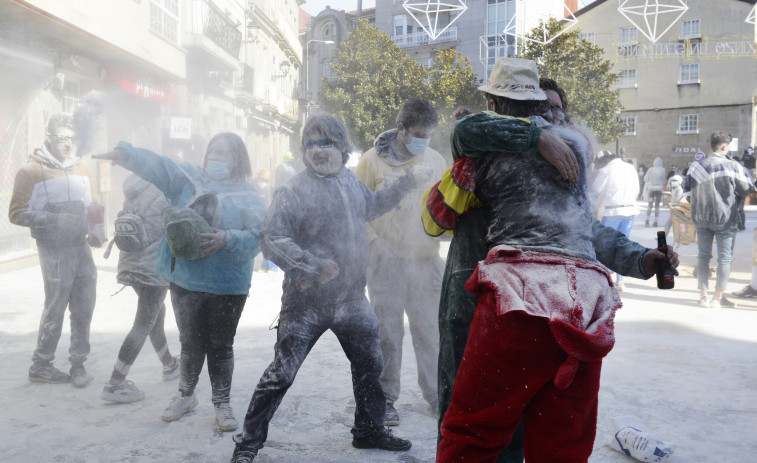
(133, 186)
(657, 162)
(385, 148)
(43, 156)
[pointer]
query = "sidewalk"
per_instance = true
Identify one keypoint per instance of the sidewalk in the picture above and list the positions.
(689, 373)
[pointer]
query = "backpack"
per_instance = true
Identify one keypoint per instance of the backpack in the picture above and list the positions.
(130, 235)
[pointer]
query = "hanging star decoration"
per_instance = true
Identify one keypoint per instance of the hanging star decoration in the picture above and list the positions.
(427, 14)
(538, 19)
(653, 18)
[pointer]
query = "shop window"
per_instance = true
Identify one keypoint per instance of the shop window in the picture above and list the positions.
(688, 123)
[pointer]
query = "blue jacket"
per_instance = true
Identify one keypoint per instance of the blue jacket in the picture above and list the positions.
(228, 271)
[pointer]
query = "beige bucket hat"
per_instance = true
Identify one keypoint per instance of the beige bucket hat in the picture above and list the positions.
(515, 78)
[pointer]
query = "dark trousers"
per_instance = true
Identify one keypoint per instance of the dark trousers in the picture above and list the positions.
(207, 326)
(70, 279)
(357, 329)
(148, 321)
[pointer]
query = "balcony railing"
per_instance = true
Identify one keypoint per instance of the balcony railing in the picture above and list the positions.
(208, 20)
(420, 39)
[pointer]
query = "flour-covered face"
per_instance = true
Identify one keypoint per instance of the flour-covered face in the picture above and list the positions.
(62, 143)
(322, 155)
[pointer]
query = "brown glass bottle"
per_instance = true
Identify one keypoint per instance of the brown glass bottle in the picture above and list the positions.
(665, 275)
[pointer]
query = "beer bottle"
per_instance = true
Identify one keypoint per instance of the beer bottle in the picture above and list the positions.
(665, 275)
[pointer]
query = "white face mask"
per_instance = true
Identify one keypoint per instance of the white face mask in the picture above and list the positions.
(217, 170)
(416, 145)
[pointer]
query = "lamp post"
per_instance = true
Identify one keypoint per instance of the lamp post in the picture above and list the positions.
(307, 65)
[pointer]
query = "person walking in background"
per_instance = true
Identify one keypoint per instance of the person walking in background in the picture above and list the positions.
(654, 181)
(51, 195)
(676, 195)
(642, 172)
(749, 161)
(402, 252)
(613, 191)
(315, 231)
(208, 294)
(285, 171)
(263, 184)
(136, 268)
(716, 183)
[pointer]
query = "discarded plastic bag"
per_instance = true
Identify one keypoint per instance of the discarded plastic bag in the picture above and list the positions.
(632, 438)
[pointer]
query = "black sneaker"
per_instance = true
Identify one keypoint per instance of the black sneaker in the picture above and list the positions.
(242, 455)
(724, 302)
(747, 293)
(383, 439)
(391, 417)
(47, 373)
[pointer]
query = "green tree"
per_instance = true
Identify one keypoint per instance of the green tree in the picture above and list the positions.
(581, 69)
(452, 83)
(372, 78)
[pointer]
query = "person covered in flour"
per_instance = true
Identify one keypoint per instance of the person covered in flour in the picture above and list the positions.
(51, 195)
(210, 280)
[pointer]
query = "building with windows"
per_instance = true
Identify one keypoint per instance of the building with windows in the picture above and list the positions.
(320, 41)
(477, 32)
(162, 74)
(698, 77)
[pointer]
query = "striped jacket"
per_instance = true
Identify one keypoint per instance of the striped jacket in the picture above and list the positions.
(717, 185)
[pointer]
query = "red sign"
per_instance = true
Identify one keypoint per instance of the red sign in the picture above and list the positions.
(141, 85)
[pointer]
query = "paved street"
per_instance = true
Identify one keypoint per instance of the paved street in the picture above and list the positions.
(690, 374)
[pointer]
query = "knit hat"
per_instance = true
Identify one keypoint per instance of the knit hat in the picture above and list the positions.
(515, 78)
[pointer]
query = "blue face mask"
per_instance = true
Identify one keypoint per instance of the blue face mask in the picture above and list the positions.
(217, 170)
(417, 145)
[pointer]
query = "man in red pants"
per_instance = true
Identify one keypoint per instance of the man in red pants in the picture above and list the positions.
(545, 312)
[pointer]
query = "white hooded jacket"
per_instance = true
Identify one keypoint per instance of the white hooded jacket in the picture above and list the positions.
(615, 189)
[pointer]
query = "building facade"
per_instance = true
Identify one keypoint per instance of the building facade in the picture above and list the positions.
(162, 74)
(698, 77)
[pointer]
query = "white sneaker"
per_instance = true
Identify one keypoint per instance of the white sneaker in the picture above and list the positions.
(124, 393)
(225, 417)
(173, 371)
(179, 406)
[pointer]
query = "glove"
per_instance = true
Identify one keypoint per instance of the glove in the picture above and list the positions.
(422, 173)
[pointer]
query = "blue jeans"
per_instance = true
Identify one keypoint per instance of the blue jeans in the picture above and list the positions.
(622, 223)
(725, 253)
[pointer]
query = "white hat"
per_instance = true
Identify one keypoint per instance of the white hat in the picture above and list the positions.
(515, 78)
